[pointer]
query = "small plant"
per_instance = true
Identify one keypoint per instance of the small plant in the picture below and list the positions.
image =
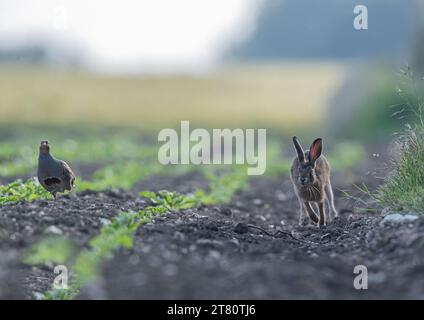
(22, 191)
(50, 250)
(62, 294)
(223, 186)
(172, 200)
(118, 234)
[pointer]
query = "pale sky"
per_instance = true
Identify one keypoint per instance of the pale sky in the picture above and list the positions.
(129, 35)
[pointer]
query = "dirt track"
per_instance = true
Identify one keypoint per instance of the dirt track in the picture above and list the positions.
(211, 252)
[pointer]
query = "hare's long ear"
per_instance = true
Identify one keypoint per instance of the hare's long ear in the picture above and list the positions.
(316, 150)
(299, 150)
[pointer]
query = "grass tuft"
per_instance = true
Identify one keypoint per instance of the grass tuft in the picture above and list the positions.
(403, 190)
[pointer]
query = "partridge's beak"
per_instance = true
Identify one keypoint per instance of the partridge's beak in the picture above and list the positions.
(44, 147)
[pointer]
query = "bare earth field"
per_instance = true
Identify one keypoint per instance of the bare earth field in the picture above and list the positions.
(214, 252)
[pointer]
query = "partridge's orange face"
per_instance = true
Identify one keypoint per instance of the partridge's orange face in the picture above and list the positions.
(44, 147)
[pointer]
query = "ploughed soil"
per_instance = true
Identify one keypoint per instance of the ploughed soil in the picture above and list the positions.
(217, 252)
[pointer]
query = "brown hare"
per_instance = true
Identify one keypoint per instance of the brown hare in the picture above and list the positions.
(310, 174)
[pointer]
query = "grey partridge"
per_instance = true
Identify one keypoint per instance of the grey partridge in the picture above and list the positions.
(53, 174)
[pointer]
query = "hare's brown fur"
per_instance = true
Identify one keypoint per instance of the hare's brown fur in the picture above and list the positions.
(314, 192)
(310, 175)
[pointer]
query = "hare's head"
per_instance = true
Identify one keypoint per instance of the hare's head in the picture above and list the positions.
(307, 161)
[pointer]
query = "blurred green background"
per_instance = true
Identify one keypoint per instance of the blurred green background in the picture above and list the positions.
(293, 67)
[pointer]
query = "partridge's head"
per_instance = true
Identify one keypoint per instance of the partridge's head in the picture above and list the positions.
(44, 147)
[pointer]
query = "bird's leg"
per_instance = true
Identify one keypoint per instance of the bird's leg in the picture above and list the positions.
(54, 194)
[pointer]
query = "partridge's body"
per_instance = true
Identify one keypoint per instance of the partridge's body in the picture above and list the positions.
(54, 175)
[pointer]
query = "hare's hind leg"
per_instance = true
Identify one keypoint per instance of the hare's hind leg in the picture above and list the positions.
(330, 198)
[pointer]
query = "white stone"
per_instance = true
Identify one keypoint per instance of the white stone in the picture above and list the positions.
(54, 230)
(105, 222)
(398, 218)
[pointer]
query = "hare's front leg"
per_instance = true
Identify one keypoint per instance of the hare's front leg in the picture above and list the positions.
(321, 214)
(303, 219)
(311, 212)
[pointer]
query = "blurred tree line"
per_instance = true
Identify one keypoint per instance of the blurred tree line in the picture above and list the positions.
(324, 29)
